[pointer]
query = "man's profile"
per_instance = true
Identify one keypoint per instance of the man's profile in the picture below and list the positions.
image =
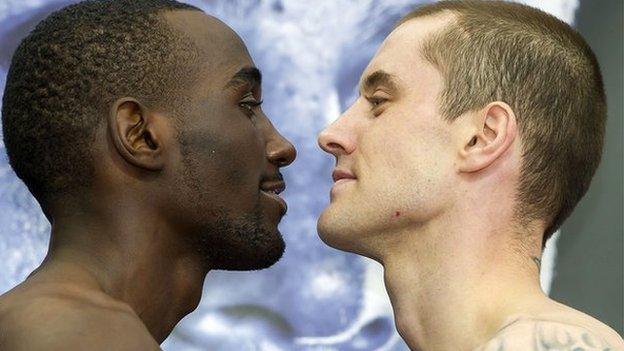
(137, 126)
(478, 128)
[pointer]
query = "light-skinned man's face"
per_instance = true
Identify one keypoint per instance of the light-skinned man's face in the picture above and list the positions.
(230, 154)
(394, 152)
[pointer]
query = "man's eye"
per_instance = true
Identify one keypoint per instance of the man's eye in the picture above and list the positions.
(249, 104)
(376, 101)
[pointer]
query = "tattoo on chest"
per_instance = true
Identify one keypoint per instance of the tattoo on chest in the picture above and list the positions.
(548, 336)
(556, 337)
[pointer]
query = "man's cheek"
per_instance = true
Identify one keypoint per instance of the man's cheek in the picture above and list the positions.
(396, 155)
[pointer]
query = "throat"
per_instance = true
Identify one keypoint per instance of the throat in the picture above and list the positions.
(464, 301)
(163, 301)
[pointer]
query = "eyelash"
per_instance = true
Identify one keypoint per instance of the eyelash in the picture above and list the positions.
(376, 102)
(250, 106)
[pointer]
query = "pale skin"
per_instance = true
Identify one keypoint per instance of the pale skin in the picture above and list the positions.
(121, 272)
(433, 202)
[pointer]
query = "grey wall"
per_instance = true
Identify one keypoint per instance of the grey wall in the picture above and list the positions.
(590, 264)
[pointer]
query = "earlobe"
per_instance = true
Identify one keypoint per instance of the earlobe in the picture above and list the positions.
(495, 131)
(134, 134)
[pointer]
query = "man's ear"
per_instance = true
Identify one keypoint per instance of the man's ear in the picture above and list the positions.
(135, 134)
(494, 131)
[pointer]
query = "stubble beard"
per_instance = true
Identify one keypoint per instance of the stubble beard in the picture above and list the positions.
(223, 241)
(240, 244)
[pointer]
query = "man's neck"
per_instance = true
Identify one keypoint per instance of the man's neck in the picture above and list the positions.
(453, 289)
(135, 263)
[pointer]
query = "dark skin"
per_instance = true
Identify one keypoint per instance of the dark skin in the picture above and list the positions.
(127, 260)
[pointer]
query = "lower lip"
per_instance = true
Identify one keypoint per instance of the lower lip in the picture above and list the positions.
(278, 199)
(340, 183)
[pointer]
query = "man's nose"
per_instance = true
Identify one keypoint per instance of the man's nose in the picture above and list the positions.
(337, 138)
(280, 151)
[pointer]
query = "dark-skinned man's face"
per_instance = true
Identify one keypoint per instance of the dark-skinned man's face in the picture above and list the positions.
(230, 154)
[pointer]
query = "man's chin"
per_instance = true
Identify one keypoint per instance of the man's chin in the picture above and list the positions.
(255, 257)
(243, 243)
(330, 232)
(340, 235)
(269, 256)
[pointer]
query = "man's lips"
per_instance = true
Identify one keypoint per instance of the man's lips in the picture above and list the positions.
(272, 189)
(274, 186)
(339, 174)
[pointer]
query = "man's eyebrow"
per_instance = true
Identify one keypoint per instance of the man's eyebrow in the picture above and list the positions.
(377, 78)
(246, 75)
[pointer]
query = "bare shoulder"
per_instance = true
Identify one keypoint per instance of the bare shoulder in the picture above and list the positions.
(532, 334)
(58, 319)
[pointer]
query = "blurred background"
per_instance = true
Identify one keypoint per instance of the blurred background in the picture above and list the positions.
(316, 298)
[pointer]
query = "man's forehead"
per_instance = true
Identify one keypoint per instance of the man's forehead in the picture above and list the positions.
(215, 41)
(197, 25)
(399, 54)
(222, 53)
(406, 40)
(415, 30)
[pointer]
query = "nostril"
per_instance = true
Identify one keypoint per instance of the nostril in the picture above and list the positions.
(283, 161)
(325, 143)
(333, 146)
(284, 156)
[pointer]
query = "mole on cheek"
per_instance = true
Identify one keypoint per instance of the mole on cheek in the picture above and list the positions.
(396, 214)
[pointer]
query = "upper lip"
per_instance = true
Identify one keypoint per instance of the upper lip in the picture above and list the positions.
(276, 186)
(338, 174)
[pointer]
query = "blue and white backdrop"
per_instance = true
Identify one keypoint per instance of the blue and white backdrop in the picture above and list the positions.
(311, 54)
